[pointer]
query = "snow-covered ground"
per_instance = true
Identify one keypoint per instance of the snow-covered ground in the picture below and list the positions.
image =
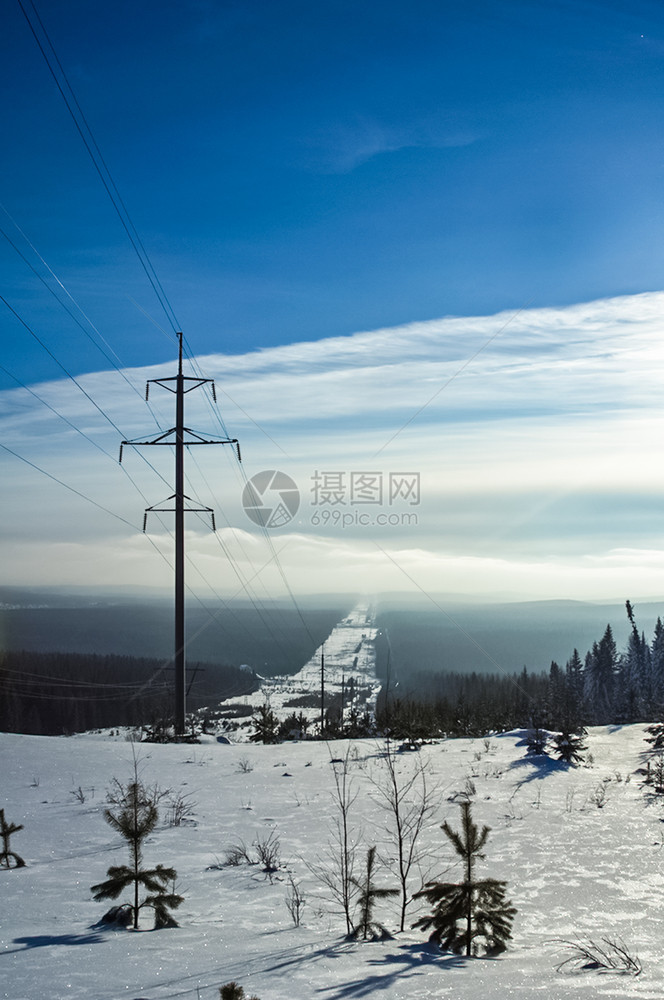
(347, 659)
(580, 848)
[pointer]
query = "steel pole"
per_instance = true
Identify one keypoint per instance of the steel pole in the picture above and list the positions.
(180, 670)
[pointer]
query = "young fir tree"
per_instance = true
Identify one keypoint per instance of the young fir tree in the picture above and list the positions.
(134, 818)
(266, 725)
(537, 741)
(657, 664)
(7, 856)
(656, 738)
(472, 913)
(569, 746)
(600, 678)
(233, 991)
(367, 927)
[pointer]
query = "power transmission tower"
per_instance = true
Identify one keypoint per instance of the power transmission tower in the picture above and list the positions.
(180, 437)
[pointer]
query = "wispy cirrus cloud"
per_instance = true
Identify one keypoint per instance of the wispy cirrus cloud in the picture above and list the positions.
(538, 461)
(343, 145)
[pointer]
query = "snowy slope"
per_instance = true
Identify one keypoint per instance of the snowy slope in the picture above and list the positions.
(573, 869)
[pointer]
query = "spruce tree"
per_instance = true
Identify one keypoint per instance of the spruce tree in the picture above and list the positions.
(537, 741)
(7, 856)
(600, 678)
(473, 913)
(657, 664)
(366, 926)
(656, 737)
(634, 689)
(233, 991)
(266, 726)
(557, 692)
(574, 706)
(134, 818)
(569, 746)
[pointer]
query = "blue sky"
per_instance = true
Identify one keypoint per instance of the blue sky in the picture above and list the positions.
(348, 206)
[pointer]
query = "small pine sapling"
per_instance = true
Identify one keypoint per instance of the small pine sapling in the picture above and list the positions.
(656, 737)
(266, 725)
(7, 856)
(537, 741)
(367, 928)
(471, 913)
(569, 746)
(134, 818)
(655, 774)
(233, 991)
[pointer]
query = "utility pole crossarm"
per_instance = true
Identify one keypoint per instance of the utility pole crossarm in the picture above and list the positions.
(159, 509)
(170, 437)
(171, 384)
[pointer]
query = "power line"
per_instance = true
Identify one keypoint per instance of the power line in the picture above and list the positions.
(60, 365)
(85, 393)
(84, 130)
(71, 489)
(115, 364)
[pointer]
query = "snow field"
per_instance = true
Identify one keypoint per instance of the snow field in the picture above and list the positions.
(580, 849)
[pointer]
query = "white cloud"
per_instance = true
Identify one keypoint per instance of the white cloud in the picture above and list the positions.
(537, 436)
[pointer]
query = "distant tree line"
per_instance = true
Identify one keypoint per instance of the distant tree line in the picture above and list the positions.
(604, 687)
(49, 694)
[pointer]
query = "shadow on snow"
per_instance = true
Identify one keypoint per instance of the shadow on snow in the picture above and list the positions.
(416, 959)
(542, 766)
(47, 940)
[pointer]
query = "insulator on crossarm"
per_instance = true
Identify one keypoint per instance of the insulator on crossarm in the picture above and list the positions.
(237, 447)
(214, 523)
(147, 391)
(214, 392)
(145, 521)
(120, 459)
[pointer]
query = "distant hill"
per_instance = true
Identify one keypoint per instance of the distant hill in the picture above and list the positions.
(273, 638)
(277, 638)
(416, 635)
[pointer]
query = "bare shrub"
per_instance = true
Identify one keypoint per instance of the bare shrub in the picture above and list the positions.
(268, 852)
(179, 809)
(237, 854)
(610, 955)
(244, 765)
(336, 868)
(295, 900)
(409, 801)
(598, 796)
